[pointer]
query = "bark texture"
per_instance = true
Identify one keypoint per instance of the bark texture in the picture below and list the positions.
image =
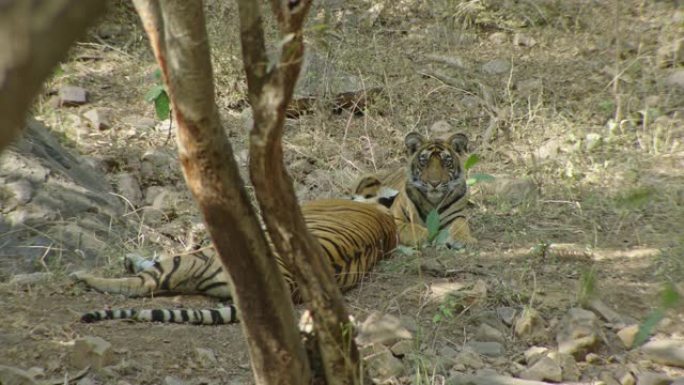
(178, 36)
(270, 92)
(34, 37)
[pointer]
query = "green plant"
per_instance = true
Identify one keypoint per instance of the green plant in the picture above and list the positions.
(587, 287)
(669, 299)
(157, 94)
(475, 178)
(446, 309)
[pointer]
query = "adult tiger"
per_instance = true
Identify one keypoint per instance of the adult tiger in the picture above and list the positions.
(353, 236)
(434, 179)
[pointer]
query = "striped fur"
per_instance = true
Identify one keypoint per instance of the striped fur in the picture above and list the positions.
(353, 235)
(433, 180)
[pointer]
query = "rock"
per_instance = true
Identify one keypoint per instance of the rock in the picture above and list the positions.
(625, 378)
(676, 79)
(628, 334)
(488, 333)
(668, 352)
(70, 96)
(671, 55)
(205, 358)
(92, 351)
(528, 323)
(529, 87)
(607, 378)
(381, 328)
(29, 279)
(491, 349)
(514, 191)
(496, 67)
(159, 166)
(524, 40)
(607, 313)
(534, 353)
(10, 375)
(578, 333)
(99, 118)
(127, 185)
(470, 359)
(498, 37)
(402, 348)
(441, 289)
(544, 369)
(488, 378)
(21, 190)
(441, 127)
(139, 123)
(592, 358)
(568, 366)
(651, 378)
(383, 366)
(507, 314)
(592, 141)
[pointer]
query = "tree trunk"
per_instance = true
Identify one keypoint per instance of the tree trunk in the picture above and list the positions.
(270, 91)
(181, 47)
(34, 37)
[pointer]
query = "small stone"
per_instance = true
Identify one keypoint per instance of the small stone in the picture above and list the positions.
(568, 365)
(592, 141)
(402, 348)
(668, 352)
(491, 349)
(528, 323)
(507, 314)
(676, 79)
(383, 366)
(496, 67)
(544, 369)
(381, 328)
(441, 127)
(171, 380)
(205, 358)
(628, 334)
(529, 87)
(488, 333)
(91, 351)
(498, 37)
(99, 118)
(470, 359)
(22, 190)
(578, 333)
(534, 353)
(592, 358)
(127, 185)
(524, 40)
(70, 96)
(651, 378)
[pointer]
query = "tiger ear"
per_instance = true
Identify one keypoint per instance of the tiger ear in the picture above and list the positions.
(413, 140)
(459, 142)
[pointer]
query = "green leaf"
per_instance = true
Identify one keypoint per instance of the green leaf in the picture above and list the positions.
(647, 327)
(479, 178)
(154, 93)
(636, 198)
(432, 224)
(669, 296)
(162, 105)
(472, 160)
(157, 74)
(407, 251)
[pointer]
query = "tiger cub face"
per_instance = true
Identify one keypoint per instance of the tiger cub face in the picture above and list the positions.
(436, 165)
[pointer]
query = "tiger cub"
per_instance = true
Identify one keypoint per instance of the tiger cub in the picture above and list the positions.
(353, 236)
(434, 179)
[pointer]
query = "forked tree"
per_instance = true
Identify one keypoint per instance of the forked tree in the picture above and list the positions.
(177, 33)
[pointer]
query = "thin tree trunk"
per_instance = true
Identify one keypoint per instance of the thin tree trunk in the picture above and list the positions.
(34, 37)
(270, 91)
(181, 47)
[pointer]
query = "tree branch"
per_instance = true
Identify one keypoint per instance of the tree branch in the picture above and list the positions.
(26, 57)
(182, 50)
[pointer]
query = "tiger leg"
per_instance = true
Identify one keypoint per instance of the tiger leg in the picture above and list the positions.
(412, 234)
(141, 285)
(459, 234)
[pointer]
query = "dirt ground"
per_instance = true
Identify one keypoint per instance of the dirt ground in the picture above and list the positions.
(581, 202)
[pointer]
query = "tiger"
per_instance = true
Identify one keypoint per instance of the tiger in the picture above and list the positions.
(353, 234)
(434, 179)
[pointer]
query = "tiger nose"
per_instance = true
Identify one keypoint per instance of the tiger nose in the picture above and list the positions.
(434, 183)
